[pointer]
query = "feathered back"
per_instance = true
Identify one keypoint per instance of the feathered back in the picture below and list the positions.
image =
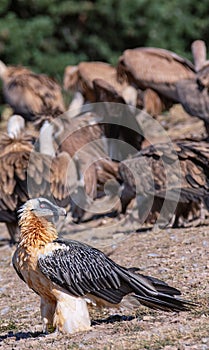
(155, 171)
(32, 95)
(154, 68)
(82, 78)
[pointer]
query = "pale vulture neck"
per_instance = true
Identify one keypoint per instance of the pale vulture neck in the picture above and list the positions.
(46, 139)
(15, 125)
(199, 54)
(3, 69)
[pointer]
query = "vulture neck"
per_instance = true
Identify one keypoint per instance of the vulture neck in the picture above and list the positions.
(3, 69)
(15, 126)
(46, 139)
(35, 231)
(199, 53)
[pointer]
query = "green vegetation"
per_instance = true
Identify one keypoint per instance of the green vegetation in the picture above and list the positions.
(47, 35)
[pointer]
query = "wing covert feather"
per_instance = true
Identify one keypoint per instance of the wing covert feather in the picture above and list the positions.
(80, 269)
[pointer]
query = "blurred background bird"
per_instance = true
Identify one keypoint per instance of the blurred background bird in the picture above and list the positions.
(31, 95)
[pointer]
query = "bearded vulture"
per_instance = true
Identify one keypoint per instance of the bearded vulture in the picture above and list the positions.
(67, 274)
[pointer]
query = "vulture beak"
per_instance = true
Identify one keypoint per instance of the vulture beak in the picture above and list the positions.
(58, 211)
(61, 211)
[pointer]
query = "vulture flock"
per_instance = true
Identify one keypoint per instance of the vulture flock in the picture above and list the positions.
(93, 157)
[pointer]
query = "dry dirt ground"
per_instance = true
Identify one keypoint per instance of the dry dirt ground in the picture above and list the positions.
(178, 256)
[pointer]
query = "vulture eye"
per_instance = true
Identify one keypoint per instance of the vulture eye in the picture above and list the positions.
(42, 205)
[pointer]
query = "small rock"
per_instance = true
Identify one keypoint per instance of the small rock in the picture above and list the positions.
(5, 310)
(147, 318)
(205, 340)
(153, 255)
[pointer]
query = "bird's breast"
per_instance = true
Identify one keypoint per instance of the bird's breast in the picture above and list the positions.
(27, 265)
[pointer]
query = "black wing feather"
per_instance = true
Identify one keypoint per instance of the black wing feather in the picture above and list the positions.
(82, 269)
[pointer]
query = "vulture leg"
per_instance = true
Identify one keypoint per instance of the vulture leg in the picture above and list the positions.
(144, 206)
(47, 314)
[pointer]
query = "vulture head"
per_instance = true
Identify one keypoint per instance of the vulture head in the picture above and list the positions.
(42, 208)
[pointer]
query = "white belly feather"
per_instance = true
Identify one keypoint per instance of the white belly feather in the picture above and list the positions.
(71, 314)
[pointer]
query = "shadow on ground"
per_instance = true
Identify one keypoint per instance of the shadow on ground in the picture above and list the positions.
(21, 335)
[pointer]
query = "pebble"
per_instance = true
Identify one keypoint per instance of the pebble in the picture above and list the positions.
(5, 310)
